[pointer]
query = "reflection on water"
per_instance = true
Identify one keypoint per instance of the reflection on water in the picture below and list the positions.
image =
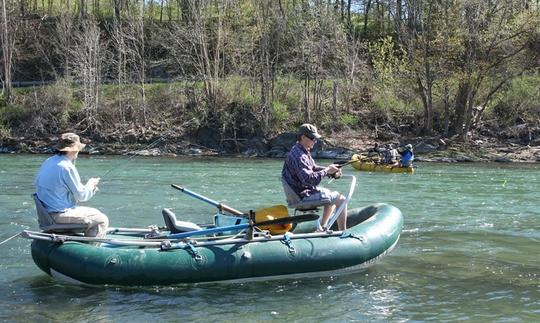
(469, 250)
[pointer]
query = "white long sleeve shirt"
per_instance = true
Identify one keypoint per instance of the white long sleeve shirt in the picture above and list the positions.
(58, 185)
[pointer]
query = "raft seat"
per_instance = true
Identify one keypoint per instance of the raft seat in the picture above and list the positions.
(47, 223)
(176, 226)
(295, 202)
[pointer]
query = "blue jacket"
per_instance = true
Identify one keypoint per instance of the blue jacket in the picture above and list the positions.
(407, 158)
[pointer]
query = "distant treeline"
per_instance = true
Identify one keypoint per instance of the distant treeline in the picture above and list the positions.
(238, 69)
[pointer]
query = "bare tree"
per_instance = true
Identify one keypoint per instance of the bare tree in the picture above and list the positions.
(496, 38)
(271, 27)
(198, 44)
(85, 60)
(7, 37)
(418, 37)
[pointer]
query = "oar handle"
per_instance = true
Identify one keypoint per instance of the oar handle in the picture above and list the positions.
(226, 208)
(220, 206)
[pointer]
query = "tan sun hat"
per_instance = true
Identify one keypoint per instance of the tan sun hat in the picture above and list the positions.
(69, 142)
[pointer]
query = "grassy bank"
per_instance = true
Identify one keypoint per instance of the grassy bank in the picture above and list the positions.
(182, 107)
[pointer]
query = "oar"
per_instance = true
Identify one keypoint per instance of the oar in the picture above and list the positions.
(238, 227)
(220, 206)
(276, 211)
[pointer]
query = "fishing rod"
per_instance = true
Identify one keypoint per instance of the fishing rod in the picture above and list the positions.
(340, 166)
(123, 162)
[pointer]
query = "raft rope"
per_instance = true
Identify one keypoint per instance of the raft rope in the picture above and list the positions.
(196, 255)
(1, 243)
(351, 235)
(288, 242)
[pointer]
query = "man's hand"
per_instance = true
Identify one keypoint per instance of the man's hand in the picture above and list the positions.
(93, 182)
(332, 169)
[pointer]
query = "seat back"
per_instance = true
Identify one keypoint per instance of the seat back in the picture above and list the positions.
(294, 201)
(290, 195)
(175, 226)
(44, 219)
(47, 223)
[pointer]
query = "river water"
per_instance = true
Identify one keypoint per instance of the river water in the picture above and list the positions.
(469, 250)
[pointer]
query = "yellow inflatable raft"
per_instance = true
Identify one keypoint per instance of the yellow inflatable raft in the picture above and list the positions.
(365, 164)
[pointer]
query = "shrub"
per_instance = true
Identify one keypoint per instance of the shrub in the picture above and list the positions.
(279, 116)
(520, 103)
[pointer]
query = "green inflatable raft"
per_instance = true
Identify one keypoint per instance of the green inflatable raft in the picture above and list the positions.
(131, 258)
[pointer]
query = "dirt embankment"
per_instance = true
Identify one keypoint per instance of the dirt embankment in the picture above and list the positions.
(519, 147)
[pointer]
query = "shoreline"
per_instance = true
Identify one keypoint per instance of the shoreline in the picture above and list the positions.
(338, 146)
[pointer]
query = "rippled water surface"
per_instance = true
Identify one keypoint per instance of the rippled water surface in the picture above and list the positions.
(470, 249)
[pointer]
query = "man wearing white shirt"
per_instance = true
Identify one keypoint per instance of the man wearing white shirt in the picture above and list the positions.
(59, 188)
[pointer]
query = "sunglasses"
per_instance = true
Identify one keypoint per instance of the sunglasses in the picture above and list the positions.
(312, 138)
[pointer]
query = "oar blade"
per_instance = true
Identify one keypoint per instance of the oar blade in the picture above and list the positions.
(276, 211)
(290, 219)
(273, 213)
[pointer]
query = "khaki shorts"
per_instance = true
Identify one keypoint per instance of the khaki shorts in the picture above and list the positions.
(323, 194)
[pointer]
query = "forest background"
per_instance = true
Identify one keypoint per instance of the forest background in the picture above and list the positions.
(216, 72)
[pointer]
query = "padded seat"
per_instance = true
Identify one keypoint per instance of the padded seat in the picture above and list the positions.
(47, 223)
(176, 226)
(295, 202)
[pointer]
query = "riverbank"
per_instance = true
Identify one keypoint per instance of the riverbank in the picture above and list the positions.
(340, 145)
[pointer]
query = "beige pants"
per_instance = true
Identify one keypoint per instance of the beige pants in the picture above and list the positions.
(97, 221)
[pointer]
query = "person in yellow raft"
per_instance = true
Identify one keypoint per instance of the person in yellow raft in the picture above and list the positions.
(59, 188)
(407, 156)
(304, 176)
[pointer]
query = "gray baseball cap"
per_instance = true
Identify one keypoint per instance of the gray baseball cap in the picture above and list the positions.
(309, 130)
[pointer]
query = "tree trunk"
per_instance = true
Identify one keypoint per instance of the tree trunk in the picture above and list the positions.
(7, 53)
(82, 4)
(117, 8)
(161, 12)
(462, 97)
(306, 98)
(446, 95)
(427, 102)
(334, 98)
(366, 15)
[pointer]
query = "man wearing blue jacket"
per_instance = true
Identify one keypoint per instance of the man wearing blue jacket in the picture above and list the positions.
(407, 156)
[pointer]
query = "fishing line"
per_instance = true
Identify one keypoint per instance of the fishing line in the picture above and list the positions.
(122, 162)
(1, 243)
(152, 144)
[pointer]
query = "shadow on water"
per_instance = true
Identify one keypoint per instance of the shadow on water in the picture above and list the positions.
(41, 298)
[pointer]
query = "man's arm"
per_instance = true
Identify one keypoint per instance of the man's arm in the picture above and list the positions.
(310, 175)
(81, 192)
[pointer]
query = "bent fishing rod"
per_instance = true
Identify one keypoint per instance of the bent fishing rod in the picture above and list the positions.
(152, 144)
